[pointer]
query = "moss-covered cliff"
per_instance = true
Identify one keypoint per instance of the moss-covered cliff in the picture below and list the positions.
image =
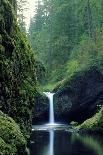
(93, 124)
(17, 75)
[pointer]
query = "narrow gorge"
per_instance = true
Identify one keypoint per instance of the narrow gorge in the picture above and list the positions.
(51, 77)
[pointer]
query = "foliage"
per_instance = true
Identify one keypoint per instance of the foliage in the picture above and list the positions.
(21, 8)
(94, 123)
(67, 36)
(72, 66)
(18, 71)
(12, 140)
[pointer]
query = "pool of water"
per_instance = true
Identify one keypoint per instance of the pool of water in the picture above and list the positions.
(58, 141)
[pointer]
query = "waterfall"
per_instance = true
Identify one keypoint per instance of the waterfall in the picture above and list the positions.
(51, 108)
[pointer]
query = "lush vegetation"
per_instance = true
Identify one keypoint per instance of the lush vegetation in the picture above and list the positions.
(93, 124)
(18, 75)
(67, 41)
(67, 36)
(18, 78)
(12, 140)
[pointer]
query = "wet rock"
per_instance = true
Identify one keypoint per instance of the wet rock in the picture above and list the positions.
(78, 98)
(41, 110)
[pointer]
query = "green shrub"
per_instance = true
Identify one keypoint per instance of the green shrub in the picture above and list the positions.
(12, 140)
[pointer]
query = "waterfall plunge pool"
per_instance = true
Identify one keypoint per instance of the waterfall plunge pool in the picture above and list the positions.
(62, 141)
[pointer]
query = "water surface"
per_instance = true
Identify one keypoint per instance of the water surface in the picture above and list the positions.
(60, 142)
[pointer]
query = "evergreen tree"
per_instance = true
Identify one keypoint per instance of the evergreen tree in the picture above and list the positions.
(21, 7)
(59, 26)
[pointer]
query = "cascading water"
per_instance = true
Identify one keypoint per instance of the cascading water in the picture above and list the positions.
(51, 108)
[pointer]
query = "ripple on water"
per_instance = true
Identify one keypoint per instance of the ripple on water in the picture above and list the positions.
(51, 127)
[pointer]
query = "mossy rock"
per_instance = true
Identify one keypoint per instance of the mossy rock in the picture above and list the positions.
(74, 123)
(94, 124)
(12, 140)
(78, 99)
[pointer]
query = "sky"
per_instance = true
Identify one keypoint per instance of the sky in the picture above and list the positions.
(31, 11)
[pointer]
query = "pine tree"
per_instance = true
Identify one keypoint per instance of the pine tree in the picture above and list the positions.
(21, 7)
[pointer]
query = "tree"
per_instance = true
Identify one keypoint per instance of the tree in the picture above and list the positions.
(14, 4)
(59, 26)
(21, 7)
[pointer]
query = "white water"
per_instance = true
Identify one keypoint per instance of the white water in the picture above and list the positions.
(51, 108)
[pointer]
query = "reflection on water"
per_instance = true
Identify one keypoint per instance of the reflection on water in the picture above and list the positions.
(54, 142)
(51, 145)
(94, 143)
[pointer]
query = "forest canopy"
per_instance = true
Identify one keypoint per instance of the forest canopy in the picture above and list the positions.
(67, 36)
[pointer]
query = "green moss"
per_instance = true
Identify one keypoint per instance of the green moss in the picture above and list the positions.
(94, 123)
(18, 70)
(12, 140)
(18, 78)
(6, 148)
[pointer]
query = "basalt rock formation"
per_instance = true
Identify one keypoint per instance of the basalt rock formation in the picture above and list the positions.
(78, 99)
(41, 110)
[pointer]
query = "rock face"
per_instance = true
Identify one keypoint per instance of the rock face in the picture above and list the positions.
(78, 98)
(93, 125)
(17, 72)
(41, 110)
